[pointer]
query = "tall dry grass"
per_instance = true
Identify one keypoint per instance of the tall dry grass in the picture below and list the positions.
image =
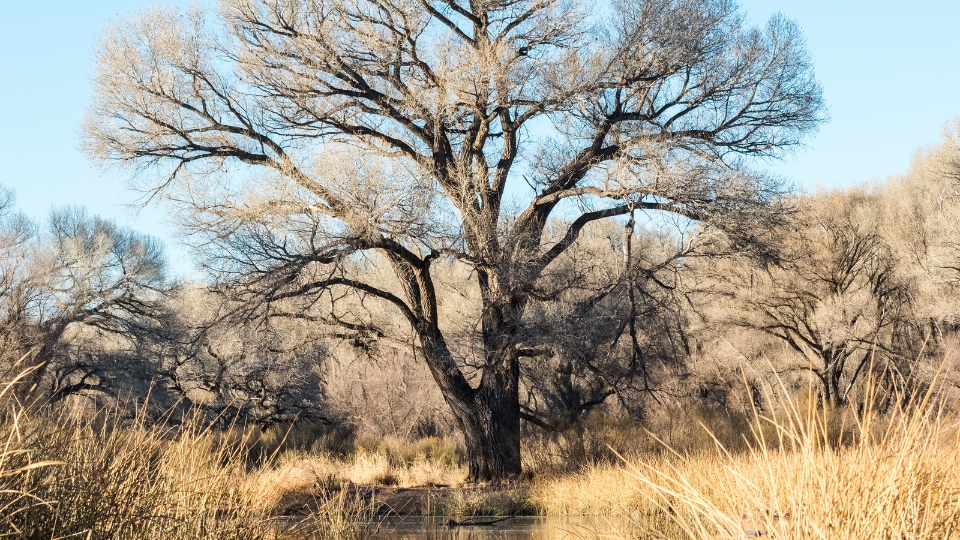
(66, 474)
(896, 478)
(15, 463)
(804, 472)
(878, 476)
(293, 478)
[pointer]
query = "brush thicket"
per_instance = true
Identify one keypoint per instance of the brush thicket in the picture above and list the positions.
(71, 474)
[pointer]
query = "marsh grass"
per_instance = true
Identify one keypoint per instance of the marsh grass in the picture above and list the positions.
(65, 473)
(485, 502)
(292, 478)
(803, 471)
(598, 441)
(866, 476)
(393, 461)
(106, 477)
(15, 462)
(339, 515)
(72, 473)
(885, 467)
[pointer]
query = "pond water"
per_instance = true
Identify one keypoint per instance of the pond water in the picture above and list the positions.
(517, 528)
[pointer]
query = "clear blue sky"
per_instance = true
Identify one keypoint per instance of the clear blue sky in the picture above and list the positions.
(890, 70)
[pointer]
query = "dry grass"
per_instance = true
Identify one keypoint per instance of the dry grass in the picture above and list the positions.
(883, 477)
(339, 515)
(602, 490)
(582, 472)
(805, 473)
(295, 477)
(66, 473)
(897, 479)
(105, 476)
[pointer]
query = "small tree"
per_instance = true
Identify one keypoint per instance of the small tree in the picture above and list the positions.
(839, 301)
(268, 375)
(18, 283)
(81, 273)
(311, 142)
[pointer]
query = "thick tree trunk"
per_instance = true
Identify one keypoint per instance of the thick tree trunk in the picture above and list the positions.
(488, 415)
(491, 428)
(833, 370)
(836, 396)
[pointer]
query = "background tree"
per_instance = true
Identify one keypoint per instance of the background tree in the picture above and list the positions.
(917, 215)
(80, 278)
(266, 374)
(868, 278)
(839, 302)
(309, 143)
(19, 283)
(617, 328)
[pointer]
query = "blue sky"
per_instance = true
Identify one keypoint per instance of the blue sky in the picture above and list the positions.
(890, 71)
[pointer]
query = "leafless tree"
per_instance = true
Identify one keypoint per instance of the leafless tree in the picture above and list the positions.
(309, 143)
(917, 215)
(79, 275)
(18, 285)
(841, 301)
(617, 328)
(265, 374)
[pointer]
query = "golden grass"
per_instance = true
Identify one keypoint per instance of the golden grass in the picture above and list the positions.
(802, 473)
(887, 477)
(339, 516)
(70, 475)
(295, 477)
(601, 490)
(96, 478)
(898, 478)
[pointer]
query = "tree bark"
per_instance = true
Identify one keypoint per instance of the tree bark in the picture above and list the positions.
(832, 371)
(488, 415)
(491, 427)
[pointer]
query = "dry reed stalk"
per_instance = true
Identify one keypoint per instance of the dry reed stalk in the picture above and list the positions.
(896, 477)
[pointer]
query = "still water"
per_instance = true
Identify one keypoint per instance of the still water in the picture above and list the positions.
(518, 528)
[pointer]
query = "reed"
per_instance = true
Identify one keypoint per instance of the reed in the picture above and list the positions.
(880, 476)
(69, 474)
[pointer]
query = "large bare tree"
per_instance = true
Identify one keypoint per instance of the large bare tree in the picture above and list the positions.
(310, 143)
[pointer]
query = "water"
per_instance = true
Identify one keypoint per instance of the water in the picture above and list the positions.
(518, 528)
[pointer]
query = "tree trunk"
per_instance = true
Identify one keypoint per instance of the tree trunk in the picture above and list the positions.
(491, 428)
(833, 370)
(488, 415)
